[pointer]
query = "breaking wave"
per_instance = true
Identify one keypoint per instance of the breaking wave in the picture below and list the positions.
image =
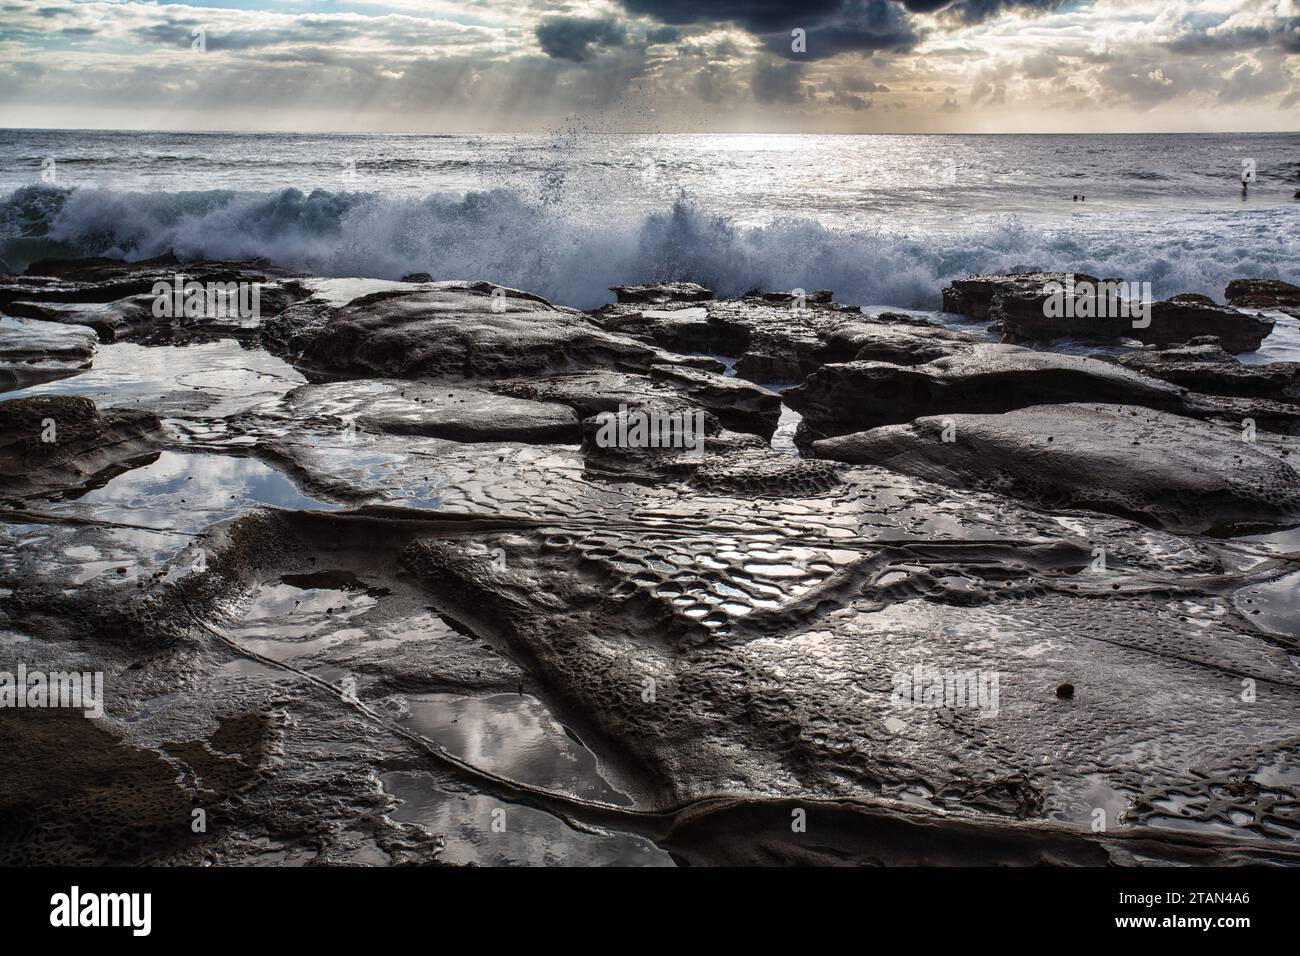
(571, 254)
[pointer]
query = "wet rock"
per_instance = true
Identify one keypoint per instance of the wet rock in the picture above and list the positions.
(1203, 348)
(112, 321)
(682, 330)
(1192, 298)
(757, 622)
(1019, 302)
(1023, 315)
(32, 351)
(1165, 470)
(1207, 368)
(116, 298)
(455, 413)
(973, 296)
(658, 293)
(100, 268)
(454, 330)
(820, 297)
(417, 277)
(735, 622)
(740, 406)
(1270, 294)
(779, 343)
(855, 396)
(63, 440)
(787, 345)
(898, 342)
(106, 280)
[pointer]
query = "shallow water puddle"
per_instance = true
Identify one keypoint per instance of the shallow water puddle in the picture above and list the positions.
(482, 830)
(1273, 607)
(191, 491)
(213, 379)
(303, 614)
(514, 736)
(74, 555)
(1096, 794)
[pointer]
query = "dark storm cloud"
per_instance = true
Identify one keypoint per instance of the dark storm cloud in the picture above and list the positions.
(977, 11)
(663, 35)
(756, 16)
(573, 38)
(832, 26)
(863, 26)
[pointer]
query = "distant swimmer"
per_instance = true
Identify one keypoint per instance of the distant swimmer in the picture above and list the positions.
(1076, 197)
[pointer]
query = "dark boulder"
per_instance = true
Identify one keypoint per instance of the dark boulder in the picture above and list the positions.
(1264, 294)
(986, 379)
(973, 296)
(58, 441)
(1050, 305)
(1207, 368)
(455, 330)
(658, 293)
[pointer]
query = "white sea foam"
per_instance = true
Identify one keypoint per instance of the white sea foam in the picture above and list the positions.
(572, 252)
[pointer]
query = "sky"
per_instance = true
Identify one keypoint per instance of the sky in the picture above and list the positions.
(833, 66)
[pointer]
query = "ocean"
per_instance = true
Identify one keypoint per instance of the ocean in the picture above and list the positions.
(881, 220)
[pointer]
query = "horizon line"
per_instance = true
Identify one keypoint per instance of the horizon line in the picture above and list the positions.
(300, 132)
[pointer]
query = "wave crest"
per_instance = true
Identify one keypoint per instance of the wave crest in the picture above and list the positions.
(571, 254)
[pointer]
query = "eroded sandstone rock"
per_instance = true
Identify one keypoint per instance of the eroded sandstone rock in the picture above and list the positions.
(1207, 368)
(855, 396)
(32, 351)
(455, 330)
(1026, 309)
(62, 440)
(1173, 472)
(658, 293)
(1264, 294)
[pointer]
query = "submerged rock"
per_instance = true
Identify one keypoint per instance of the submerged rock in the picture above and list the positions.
(1162, 469)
